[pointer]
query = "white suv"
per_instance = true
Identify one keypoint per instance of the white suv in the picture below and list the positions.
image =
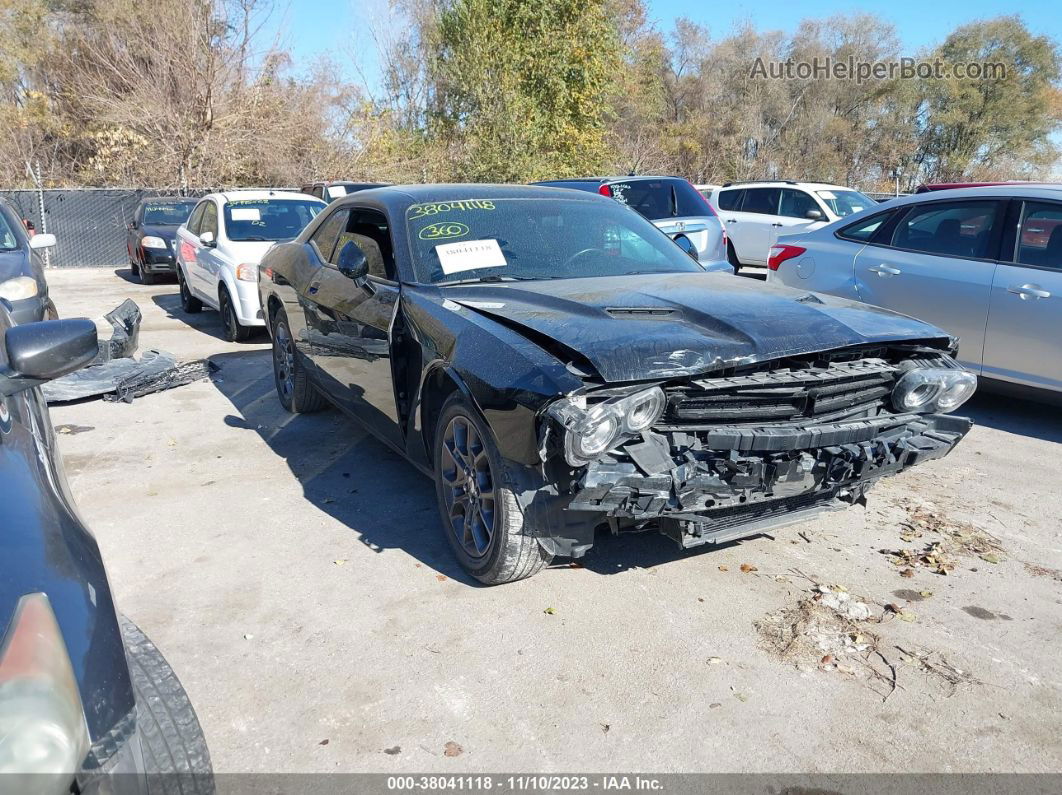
(222, 242)
(755, 213)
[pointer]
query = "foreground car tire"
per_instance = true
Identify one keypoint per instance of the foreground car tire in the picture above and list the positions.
(481, 518)
(176, 758)
(189, 303)
(145, 277)
(234, 330)
(296, 392)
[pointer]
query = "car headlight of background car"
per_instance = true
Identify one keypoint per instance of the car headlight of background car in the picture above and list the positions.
(19, 288)
(928, 389)
(150, 241)
(591, 430)
(42, 722)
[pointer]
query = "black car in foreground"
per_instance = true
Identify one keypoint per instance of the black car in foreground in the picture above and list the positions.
(22, 281)
(151, 234)
(87, 703)
(557, 364)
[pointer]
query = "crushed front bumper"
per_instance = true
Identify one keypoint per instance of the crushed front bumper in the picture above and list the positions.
(726, 483)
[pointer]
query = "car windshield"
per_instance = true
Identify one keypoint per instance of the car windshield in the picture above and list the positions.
(8, 241)
(661, 198)
(167, 213)
(535, 238)
(269, 219)
(845, 202)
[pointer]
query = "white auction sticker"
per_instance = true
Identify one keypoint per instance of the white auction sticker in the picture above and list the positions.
(470, 255)
(336, 191)
(246, 214)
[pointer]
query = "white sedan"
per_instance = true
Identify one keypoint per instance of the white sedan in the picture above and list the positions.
(222, 242)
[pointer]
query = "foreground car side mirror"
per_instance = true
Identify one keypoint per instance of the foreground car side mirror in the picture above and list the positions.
(352, 262)
(42, 241)
(686, 245)
(207, 239)
(43, 351)
(815, 215)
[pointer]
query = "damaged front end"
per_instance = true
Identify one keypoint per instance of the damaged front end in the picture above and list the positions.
(715, 458)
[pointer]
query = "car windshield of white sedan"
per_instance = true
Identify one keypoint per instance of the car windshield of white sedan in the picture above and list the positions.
(845, 202)
(268, 219)
(168, 214)
(517, 239)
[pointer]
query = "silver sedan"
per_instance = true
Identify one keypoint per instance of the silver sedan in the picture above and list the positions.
(985, 264)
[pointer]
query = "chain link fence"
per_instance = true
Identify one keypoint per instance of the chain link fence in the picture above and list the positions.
(89, 224)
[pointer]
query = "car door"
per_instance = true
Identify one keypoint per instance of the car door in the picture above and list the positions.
(749, 225)
(1025, 308)
(793, 208)
(348, 324)
(204, 279)
(938, 266)
(188, 241)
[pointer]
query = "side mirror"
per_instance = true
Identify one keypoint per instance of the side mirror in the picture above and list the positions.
(207, 239)
(42, 241)
(686, 245)
(39, 352)
(815, 215)
(352, 262)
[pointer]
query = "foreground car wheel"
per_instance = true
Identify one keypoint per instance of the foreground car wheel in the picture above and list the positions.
(480, 514)
(234, 330)
(297, 394)
(176, 758)
(189, 303)
(145, 277)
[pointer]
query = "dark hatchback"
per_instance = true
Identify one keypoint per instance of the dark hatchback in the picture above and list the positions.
(22, 282)
(151, 234)
(557, 365)
(87, 703)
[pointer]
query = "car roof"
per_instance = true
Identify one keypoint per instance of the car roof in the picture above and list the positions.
(149, 199)
(606, 180)
(1003, 191)
(260, 194)
(939, 186)
(400, 195)
(782, 183)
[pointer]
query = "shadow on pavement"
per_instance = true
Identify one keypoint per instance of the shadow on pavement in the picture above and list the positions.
(1015, 415)
(208, 321)
(344, 471)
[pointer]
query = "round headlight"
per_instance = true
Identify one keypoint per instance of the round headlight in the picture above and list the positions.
(959, 388)
(917, 390)
(595, 437)
(645, 409)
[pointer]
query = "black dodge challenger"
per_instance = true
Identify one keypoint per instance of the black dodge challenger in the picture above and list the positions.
(557, 364)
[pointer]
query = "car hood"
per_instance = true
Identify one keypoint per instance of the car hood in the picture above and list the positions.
(639, 327)
(14, 263)
(249, 251)
(165, 231)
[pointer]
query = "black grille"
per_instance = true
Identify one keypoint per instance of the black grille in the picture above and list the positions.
(836, 391)
(733, 515)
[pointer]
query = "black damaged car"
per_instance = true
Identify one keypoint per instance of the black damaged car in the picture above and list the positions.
(557, 364)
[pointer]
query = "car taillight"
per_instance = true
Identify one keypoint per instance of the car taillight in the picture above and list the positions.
(781, 252)
(605, 190)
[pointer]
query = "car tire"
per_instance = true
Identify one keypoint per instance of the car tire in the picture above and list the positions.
(176, 758)
(189, 303)
(732, 257)
(510, 552)
(134, 269)
(234, 330)
(294, 388)
(145, 277)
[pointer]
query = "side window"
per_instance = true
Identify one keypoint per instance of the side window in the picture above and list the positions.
(1040, 239)
(951, 229)
(796, 203)
(863, 231)
(730, 199)
(324, 239)
(196, 218)
(369, 229)
(761, 200)
(209, 221)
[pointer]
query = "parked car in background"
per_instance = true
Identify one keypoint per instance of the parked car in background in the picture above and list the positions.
(671, 203)
(151, 235)
(557, 365)
(221, 244)
(707, 189)
(985, 264)
(22, 282)
(755, 213)
(87, 703)
(331, 190)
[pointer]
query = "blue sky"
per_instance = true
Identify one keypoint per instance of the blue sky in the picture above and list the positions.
(310, 28)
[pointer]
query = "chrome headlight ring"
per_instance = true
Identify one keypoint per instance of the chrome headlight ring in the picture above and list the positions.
(592, 430)
(928, 389)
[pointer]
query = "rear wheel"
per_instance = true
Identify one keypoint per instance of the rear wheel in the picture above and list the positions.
(189, 303)
(176, 758)
(731, 256)
(482, 519)
(234, 330)
(297, 394)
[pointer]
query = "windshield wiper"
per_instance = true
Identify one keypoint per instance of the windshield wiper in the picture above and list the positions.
(493, 278)
(253, 240)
